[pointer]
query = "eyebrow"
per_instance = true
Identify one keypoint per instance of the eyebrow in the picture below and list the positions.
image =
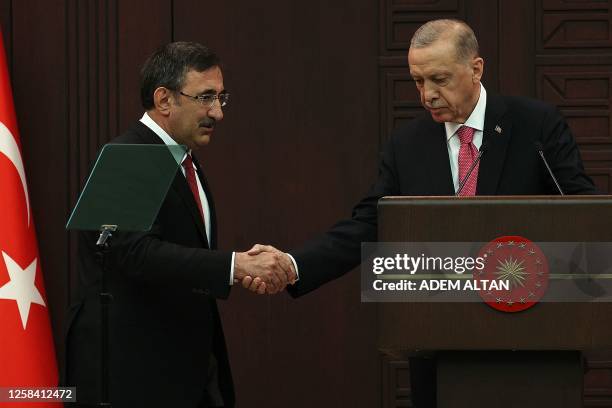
(212, 92)
(441, 73)
(432, 75)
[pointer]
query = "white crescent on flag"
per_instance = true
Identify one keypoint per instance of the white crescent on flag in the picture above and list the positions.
(9, 148)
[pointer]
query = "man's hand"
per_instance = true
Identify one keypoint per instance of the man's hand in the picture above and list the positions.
(254, 284)
(264, 272)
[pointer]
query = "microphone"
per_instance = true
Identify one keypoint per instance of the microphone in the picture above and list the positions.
(483, 148)
(540, 149)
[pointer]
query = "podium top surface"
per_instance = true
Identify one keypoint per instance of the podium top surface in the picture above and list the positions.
(482, 218)
(496, 200)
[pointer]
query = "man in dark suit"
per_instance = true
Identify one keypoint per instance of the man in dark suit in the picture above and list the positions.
(432, 155)
(166, 342)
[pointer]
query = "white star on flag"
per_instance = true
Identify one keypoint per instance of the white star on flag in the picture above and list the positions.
(21, 288)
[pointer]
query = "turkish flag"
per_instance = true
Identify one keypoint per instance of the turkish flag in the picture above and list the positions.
(27, 353)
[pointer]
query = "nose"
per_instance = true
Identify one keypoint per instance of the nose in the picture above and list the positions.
(215, 111)
(430, 92)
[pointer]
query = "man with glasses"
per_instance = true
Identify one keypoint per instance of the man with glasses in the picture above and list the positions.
(166, 342)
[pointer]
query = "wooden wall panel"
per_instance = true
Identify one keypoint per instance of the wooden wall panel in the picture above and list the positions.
(559, 51)
(573, 61)
(90, 93)
(297, 147)
(597, 380)
(573, 64)
(602, 177)
(403, 17)
(6, 23)
(142, 27)
(395, 381)
(517, 47)
(399, 98)
(399, 19)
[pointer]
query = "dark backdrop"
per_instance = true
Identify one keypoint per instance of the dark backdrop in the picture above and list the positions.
(316, 86)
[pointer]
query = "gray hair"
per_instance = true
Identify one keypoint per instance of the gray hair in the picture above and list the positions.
(466, 44)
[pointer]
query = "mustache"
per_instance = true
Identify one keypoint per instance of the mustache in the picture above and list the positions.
(207, 122)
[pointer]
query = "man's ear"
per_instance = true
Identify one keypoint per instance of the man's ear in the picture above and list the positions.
(163, 99)
(477, 69)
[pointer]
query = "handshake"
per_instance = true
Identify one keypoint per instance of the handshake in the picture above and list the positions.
(264, 269)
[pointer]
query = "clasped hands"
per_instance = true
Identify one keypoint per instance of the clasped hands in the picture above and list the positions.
(264, 269)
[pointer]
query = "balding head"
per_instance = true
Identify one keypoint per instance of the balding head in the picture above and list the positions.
(466, 45)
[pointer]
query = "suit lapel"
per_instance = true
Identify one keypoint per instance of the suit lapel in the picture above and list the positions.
(182, 189)
(435, 155)
(496, 135)
(179, 184)
(211, 204)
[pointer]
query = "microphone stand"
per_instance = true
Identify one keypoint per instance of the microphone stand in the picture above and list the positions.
(103, 244)
(471, 169)
(539, 148)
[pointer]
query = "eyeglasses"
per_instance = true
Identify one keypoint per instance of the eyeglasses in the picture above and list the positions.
(208, 100)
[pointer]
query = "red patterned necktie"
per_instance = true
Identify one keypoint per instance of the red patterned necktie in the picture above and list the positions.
(467, 154)
(193, 185)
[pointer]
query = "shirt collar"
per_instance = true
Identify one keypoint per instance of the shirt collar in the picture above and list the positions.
(476, 119)
(161, 133)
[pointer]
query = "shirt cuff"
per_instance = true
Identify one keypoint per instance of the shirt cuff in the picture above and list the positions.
(231, 282)
(297, 273)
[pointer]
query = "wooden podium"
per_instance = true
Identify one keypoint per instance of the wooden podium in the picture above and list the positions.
(488, 358)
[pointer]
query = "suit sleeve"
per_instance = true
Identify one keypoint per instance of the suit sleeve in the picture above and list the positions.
(561, 151)
(338, 250)
(147, 259)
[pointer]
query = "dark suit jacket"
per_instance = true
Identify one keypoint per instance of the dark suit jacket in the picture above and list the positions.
(164, 323)
(415, 162)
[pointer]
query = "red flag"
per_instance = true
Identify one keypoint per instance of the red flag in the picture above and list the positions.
(27, 353)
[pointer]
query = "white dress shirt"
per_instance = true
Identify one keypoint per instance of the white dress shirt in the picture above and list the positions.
(475, 121)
